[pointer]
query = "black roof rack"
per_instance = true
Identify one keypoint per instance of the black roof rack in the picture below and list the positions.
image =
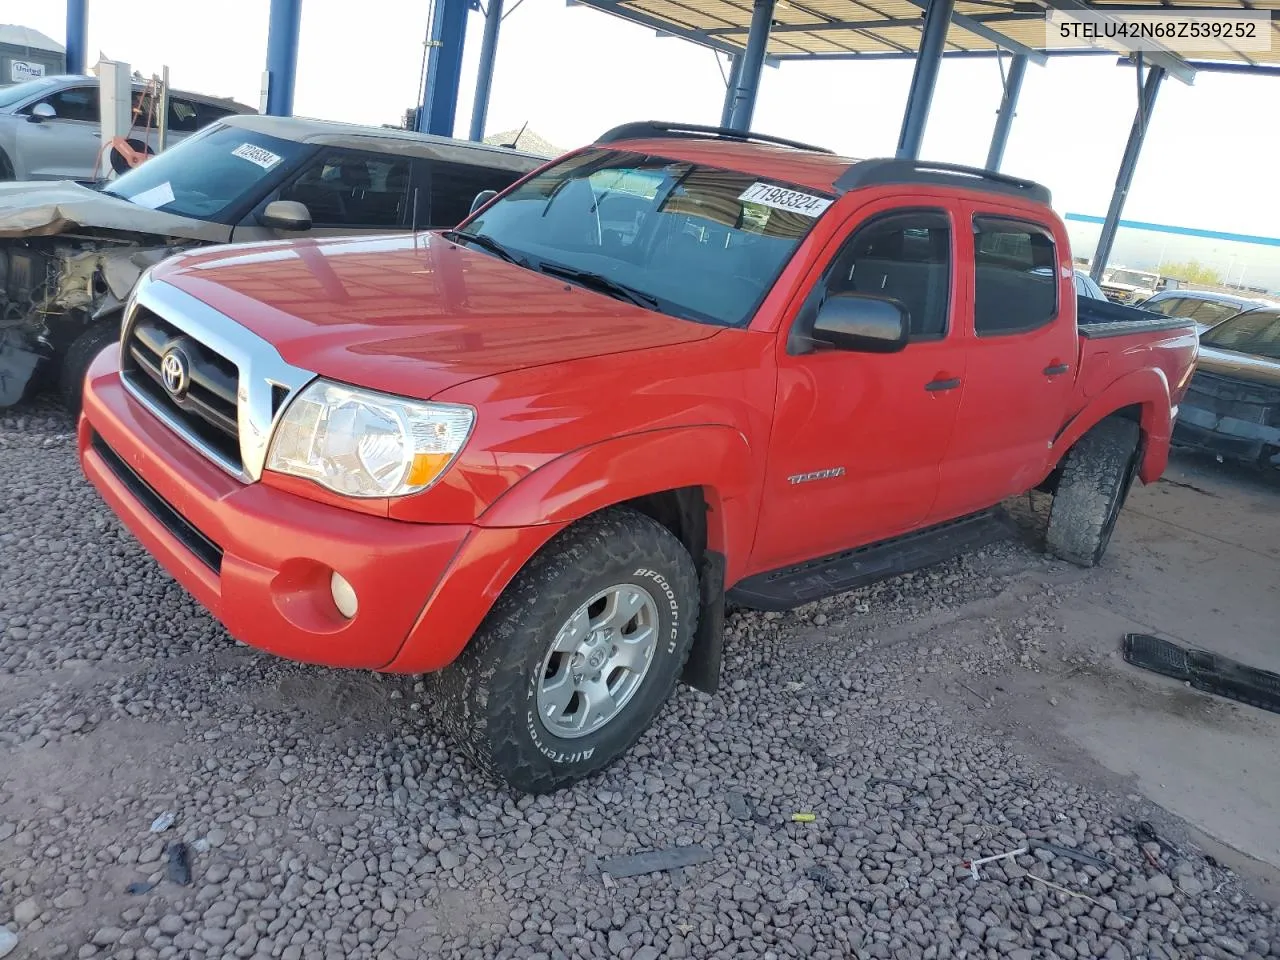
(868, 173)
(657, 129)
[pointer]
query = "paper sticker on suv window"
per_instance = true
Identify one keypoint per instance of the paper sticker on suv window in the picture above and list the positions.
(255, 154)
(781, 198)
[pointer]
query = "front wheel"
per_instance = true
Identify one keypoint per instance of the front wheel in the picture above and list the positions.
(577, 656)
(83, 350)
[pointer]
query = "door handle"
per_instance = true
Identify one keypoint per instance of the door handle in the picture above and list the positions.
(935, 385)
(1054, 369)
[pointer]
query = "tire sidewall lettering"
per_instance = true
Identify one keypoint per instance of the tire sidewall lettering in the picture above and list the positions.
(669, 595)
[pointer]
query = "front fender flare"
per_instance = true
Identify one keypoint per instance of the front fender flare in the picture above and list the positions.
(714, 457)
(1147, 389)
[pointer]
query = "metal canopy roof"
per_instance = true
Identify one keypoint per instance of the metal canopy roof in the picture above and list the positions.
(875, 29)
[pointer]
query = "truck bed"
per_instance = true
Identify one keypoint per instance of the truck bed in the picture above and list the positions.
(1097, 319)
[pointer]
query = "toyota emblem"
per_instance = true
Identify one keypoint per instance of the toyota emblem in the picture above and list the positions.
(175, 370)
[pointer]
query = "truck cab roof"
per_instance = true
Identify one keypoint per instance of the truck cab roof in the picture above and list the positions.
(804, 164)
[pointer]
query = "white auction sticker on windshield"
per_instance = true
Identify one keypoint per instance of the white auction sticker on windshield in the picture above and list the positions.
(255, 154)
(155, 197)
(780, 198)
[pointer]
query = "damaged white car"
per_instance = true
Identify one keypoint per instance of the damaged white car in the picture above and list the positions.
(70, 254)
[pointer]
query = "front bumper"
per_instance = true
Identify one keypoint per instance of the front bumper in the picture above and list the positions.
(260, 559)
(1237, 421)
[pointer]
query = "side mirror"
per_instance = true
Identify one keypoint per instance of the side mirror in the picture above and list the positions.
(855, 321)
(286, 215)
(42, 112)
(483, 197)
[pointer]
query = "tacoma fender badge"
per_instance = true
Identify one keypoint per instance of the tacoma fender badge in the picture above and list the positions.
(827, 474)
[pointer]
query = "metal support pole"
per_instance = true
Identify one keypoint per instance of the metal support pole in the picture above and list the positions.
(444, 67)
(748, 85)
(484, 80)
(1008, 108)
(735, 74)
(933, 39)
(77, 34)
(282, 55)
(162, 137)
(1128, 163)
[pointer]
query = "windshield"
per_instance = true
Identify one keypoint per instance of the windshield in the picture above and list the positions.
(1133, 279)
(693, 241)
(1256, 332)
(209, 174)
(20, 92)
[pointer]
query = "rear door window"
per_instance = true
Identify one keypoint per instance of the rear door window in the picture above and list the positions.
(183, 116)
(453, 188)
(1015, 276)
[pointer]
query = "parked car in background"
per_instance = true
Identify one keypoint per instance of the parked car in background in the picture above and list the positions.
(532, 457)
(70, 253)
(1232, 407)
(1086, 287)
(1123, 285)
(51, 127)
(1205, 307)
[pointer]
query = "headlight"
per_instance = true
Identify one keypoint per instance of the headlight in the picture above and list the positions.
(365, 444)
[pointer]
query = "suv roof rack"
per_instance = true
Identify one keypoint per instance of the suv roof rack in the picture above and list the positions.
(867, 173)
(658, 129)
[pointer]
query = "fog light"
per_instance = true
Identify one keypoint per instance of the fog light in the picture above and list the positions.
(344, 595)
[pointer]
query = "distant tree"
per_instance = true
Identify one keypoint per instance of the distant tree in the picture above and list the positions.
(1192, 271)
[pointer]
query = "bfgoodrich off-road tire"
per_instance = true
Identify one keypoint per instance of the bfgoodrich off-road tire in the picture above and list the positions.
(487, 699)
(1096, 475)
(75, 363)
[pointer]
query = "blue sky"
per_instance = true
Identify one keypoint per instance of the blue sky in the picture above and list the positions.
(571, 73)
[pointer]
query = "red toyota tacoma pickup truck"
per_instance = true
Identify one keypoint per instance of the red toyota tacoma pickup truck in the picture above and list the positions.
(532, 457)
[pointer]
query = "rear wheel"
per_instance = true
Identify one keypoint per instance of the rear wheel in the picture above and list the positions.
(6, 167)
(577, 656)
(83, 351)
(1095, 480)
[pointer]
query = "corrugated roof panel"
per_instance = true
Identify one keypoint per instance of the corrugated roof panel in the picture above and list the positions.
(836, 25)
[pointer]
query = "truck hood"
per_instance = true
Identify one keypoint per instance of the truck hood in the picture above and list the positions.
(412, 316)
(45, 208)
(1239, 366)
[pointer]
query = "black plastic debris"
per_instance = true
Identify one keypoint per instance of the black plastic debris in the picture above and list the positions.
(139, 887)
(654, 861)
(180, 864)
(1071, 854)
(1205, 670)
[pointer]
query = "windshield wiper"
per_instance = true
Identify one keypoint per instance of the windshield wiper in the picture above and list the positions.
(603, 284)
(486, 242)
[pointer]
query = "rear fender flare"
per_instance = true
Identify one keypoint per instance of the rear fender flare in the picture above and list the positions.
(713, 457)
(1147, 389)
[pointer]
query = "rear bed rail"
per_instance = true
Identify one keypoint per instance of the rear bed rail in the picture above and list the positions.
(1097, 319)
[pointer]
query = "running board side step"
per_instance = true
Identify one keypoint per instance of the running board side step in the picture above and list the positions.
(794, 586)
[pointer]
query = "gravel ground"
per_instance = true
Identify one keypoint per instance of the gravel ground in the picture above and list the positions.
(324, 817)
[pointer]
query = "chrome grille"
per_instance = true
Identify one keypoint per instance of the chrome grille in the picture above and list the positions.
(207, 401)
(235, 383)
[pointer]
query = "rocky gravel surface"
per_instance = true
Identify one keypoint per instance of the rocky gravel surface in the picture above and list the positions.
(167, 793)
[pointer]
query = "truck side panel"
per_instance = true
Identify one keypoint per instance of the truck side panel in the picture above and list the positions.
(1149, 370)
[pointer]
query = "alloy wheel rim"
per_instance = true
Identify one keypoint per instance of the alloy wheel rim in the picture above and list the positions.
(597, 661)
